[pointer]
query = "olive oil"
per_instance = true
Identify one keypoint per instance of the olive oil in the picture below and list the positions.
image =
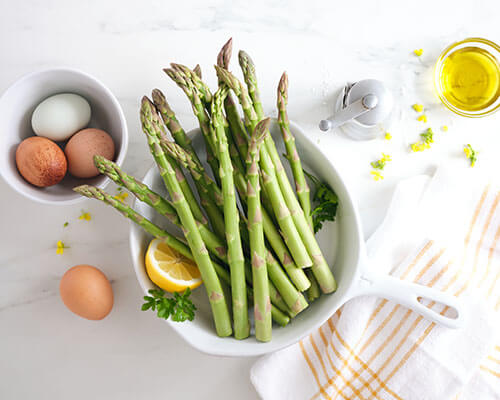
(470, 79)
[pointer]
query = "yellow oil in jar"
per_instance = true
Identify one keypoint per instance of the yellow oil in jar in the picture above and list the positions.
(470, 79)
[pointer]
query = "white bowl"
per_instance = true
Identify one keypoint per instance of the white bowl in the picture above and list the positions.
(343, 247)
(16, 107)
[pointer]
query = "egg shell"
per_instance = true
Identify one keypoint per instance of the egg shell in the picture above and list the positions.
(40, 161)
(82, 147)
(60, 116)
(86, 291)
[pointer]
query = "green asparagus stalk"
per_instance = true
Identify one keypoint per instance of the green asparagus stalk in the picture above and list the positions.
(201, 114)
(172, 123)
(152, 128)
(262, 304)
(235, 123)
(231, 219)
(320, 267)
(248, 68)
(301, 186)
(94, 193)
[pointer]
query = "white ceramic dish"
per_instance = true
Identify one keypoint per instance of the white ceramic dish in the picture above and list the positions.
(16, 107)
(344, 249)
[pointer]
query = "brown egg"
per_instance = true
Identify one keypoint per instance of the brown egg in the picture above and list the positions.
(82, 147)
(86, 291)
(40, 161)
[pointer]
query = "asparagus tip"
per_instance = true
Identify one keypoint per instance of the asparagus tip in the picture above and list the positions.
(225, 54)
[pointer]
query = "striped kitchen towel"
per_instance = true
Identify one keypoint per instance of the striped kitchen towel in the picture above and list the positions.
(376, 349)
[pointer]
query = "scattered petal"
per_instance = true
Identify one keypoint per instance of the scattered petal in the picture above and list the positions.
(444, 128)
(418, 52)
(376, 175)
(418, 107)
(422, 118)
(85, 216)
(387, 136)
(121, 197)
(66, 224)
(60, 246)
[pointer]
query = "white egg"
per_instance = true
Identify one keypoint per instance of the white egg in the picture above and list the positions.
(60, 116)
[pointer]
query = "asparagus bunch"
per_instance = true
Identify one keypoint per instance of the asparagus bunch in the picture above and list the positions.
(265, 238)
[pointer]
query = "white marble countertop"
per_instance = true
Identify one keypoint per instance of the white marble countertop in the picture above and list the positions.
(49, 353)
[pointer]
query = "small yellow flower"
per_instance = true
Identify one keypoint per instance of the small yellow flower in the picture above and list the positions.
(85, 216)
(380, 164)
(444, 128)
(418, 107)
(471, 154)
(387, 136)
(121, 197)
(422, 118)
(418, 52)
(377, 176)
(60, 246)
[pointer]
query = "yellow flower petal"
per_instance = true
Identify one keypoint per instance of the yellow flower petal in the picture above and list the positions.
(418, 107)
(444, 128)
(388, 136)
(418, 52)
(121, 197)
(85, 216)
(422, 118)
(377, 175)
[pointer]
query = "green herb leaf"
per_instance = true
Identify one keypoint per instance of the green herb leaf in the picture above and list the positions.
(326, 203)
(179, 308)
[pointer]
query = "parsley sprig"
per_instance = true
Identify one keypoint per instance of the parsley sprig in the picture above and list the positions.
(326, 203)
(179, 308)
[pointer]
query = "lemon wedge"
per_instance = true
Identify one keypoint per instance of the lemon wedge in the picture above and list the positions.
(169, 269)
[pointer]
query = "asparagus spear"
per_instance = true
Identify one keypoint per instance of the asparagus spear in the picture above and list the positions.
(248, 68)
(262, 304)
(320, 267)
(301, 186)
(171, 122)
(151, 127)
(231, 219)
(94, 193)
(201, 114)
(235, 123)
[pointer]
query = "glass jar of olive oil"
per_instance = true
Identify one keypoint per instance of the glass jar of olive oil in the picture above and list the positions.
(467, 77)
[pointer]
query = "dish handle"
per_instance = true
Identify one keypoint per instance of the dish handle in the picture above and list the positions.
(410, 295)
